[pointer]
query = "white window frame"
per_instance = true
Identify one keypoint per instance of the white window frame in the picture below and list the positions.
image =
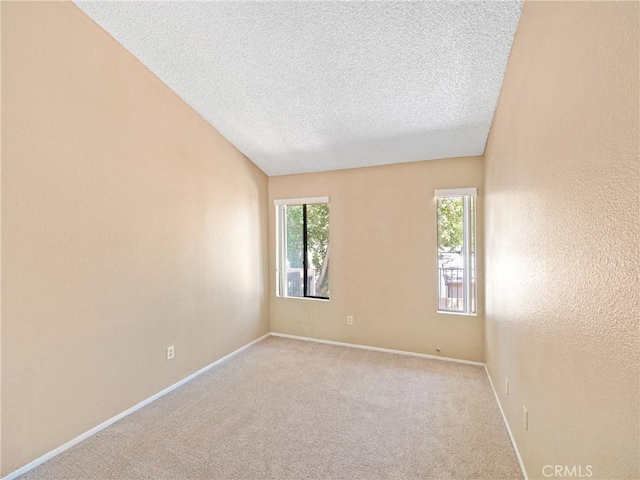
(466, 194)
(281, 245)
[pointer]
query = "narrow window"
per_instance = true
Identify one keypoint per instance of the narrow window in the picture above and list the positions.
(303, 247)
(456, 224)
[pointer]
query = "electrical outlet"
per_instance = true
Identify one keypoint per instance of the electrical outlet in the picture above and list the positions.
(170, 352)
(506, 385)
(525, 418)
(350, 320)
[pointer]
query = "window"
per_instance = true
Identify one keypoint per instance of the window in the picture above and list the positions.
(456, 224)
(302, 227)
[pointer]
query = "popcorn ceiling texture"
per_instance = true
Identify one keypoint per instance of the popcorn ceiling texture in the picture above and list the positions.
(301, 87)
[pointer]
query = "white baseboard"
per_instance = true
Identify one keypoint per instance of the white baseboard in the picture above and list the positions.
(504, 418)
(379, 349)
(103, 425)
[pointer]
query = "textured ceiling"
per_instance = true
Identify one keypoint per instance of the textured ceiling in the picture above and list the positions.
(311, 86)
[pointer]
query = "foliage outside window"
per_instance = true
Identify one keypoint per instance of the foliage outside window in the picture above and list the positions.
(303, 249)
(456, 224)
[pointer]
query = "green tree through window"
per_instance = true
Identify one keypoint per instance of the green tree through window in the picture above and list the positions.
(317, 253)
(450, 223)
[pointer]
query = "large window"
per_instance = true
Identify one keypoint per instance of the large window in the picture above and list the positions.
(303, 247)
(456, 215)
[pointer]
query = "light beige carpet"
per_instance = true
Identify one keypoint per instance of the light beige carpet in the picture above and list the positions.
(290, 409)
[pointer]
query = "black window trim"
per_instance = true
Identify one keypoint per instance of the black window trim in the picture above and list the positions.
(305, 261)
(304, 202)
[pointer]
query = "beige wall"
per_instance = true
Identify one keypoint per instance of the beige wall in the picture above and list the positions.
(0, 241)
(562, 223)
(129, 224)
(383, 259)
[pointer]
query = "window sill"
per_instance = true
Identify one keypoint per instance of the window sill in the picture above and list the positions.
(304, 298)
(461, 314)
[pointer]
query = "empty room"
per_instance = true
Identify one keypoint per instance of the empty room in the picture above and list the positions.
(350, 240)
